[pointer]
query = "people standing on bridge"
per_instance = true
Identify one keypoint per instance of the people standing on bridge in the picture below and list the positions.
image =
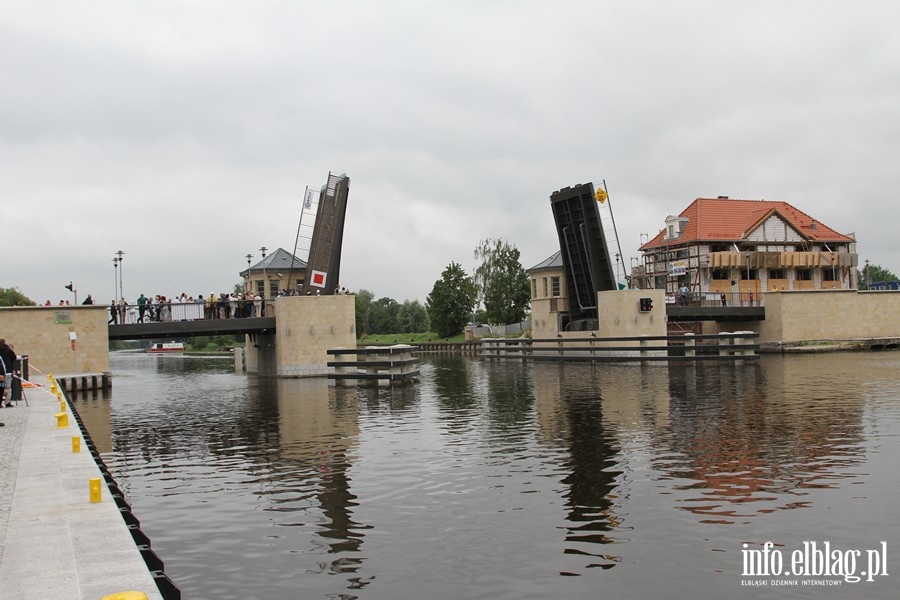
(209, 306)
(142, 307)
(724, 299)
(113, 313)
(250, 298)
(165, 309)
(89, 300)
(123, 307)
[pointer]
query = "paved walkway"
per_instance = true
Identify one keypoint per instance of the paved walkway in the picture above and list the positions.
(55, 543)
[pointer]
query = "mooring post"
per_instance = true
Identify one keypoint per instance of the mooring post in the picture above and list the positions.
(724, 342)
(689, 345)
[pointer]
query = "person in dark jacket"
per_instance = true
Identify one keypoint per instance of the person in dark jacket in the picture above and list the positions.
(8, 358)
(3, 374)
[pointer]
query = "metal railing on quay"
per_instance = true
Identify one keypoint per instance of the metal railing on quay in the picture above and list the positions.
(723, 346)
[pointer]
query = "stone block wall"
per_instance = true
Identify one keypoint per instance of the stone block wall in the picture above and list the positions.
(43, 334)
(307, 327)
(813, 315)
(620, 314)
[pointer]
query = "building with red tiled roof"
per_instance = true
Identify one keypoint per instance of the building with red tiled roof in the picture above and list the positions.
(742, 247)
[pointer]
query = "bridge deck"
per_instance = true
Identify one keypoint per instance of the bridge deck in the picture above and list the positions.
(715, 313)
(200, 327)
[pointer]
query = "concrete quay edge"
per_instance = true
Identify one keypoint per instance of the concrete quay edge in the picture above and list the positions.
(54, 542)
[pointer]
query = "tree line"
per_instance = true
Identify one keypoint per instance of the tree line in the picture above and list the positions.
(499, 285)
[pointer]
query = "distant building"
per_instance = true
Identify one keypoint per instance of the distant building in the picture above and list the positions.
(715, 246)
(721, 245)
(279, 270)
(549, 304)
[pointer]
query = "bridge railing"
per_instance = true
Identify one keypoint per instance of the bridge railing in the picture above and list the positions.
(716, 299)
(191, 311)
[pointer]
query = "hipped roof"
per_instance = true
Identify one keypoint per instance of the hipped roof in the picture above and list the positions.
(732, 220)
(279, 260)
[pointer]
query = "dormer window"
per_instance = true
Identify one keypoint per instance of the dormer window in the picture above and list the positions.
(675, 226)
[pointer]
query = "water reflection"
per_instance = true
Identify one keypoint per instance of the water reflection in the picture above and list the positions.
(491, 480)
(318, 432)
(593, 413)
(753, 449)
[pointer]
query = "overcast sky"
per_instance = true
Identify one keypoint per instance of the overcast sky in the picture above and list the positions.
(185, 132)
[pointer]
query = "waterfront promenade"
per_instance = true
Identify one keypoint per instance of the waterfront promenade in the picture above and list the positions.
(55, 543)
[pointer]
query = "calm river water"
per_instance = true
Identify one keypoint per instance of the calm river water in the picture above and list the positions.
(513, 480)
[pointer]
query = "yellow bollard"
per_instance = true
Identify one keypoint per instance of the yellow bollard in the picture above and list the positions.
(126, 596)
(62, 420)
(95, 489)
(76, 443)
(53, 389)
(62, 406)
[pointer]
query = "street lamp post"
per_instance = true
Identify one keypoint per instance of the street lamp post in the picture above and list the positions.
(119, 253)
(618, 260)
(249, 257)
(265, 282)
(71, 288)
(866, 274)
(116, 283)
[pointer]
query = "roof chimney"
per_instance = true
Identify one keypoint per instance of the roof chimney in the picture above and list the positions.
(813, 225)
(723, 198)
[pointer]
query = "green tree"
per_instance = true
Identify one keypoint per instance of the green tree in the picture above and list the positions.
(383, 316)
(412, 317)
(501, 282)
(363, 301)
(451, 301)
(13, 297)
(873, 274)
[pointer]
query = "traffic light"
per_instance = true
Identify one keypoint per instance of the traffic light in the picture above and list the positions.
(69, 287)
(646, 304)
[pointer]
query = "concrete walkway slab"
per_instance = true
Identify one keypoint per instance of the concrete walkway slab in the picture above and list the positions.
(55, 543)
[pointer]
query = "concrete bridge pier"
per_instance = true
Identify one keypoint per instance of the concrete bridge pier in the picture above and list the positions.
(260, 352)
(307, 327)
